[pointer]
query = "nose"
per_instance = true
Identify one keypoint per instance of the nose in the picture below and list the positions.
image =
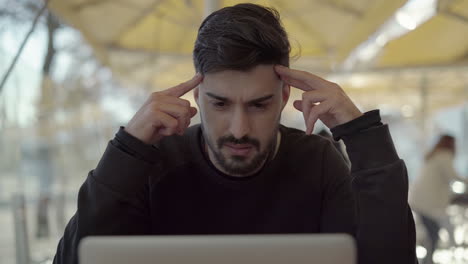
(240, 125)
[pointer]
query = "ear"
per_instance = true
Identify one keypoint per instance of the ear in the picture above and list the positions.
(286, 91)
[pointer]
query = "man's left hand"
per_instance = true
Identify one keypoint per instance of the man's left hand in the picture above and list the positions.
(321, 99)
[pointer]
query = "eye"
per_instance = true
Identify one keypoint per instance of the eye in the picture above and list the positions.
(259, 106)
(219, 104)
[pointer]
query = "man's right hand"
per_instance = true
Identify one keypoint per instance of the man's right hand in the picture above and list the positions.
(164, 113)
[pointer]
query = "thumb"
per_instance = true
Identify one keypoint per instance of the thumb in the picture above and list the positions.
(298, 105)
(193, 111)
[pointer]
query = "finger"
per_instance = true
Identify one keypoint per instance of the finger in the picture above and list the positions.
(296, 83)
(185, 87)
(176, 111)
(158, 98)
(182, 114)
(168, 124)
(301, 106)
(193, 111)
(312, 81)
(316, 96)
(308, 100)
(298, 105)
(184, 121)
(314, 115)
(174, 100)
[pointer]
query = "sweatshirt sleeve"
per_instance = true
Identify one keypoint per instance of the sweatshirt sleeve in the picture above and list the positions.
(338, 214)
(385, 225)
(114, 198)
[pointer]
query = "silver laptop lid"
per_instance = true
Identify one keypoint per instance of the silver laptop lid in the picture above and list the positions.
(226, 249)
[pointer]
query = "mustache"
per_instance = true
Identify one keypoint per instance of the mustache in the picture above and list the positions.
(244, 140)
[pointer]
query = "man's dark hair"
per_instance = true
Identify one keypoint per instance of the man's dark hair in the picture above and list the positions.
(240, 37)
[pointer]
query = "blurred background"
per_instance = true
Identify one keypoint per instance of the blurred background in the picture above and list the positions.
(73, 71)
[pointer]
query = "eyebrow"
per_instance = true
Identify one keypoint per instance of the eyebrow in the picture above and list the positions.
(254, 101)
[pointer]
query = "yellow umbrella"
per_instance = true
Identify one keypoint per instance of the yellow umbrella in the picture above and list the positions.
(138, 38)
(442, 40)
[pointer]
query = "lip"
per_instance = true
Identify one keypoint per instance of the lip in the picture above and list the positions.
(240, 150)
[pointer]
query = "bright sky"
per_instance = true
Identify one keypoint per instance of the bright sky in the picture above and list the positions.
(21, 90)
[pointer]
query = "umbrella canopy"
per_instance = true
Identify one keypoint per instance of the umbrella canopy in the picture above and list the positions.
(137, 38)
(442, 40)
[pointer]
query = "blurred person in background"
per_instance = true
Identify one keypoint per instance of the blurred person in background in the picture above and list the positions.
(430, 193)
(240, 171)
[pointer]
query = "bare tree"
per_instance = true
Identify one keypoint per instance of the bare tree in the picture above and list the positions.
(21, 12)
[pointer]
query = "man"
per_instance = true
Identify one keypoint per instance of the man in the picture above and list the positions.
(240, 171)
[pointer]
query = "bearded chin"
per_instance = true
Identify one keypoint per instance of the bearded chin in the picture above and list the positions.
(239, 165)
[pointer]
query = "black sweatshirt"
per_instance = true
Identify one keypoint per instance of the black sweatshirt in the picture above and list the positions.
(173, 189)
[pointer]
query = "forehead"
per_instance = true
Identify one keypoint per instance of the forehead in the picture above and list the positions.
(258, 81)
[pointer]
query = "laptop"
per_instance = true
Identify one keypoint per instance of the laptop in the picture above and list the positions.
(225, 249)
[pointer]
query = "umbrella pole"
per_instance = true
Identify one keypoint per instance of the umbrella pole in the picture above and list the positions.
(424, 93)
(210, 7)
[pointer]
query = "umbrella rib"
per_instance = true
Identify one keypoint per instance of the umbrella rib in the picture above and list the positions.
(323, 45)
(347, 9)
(455, 15)
(92, 3)
(138, 18)
(148, 11)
